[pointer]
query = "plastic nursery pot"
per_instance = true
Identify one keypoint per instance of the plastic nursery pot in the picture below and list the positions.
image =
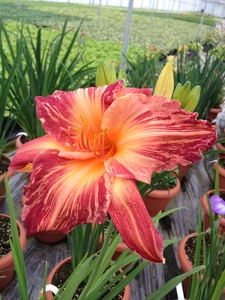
(158, 200)
(49, 295)
(8, 174)
(221, 172)
(213, 113)
(205, 207)
(6, 261)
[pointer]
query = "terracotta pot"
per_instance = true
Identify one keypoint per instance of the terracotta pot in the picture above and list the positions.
(182, 170)
(185, 263)
(221, 172)
(213, 113)
(205, 206)
(158, 200)
(22, 202)
(220, 146)
(51, 236)
(6, 262)
(8, 174)
(49, 295)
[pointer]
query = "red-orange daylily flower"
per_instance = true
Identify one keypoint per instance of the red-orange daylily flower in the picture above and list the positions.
(99, 142)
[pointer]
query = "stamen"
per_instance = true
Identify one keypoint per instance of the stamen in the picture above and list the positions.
(84, 137)
(97, 145)
(110, 152)
(87, 134)
(69, 136)
(101, 149)
(94, 146)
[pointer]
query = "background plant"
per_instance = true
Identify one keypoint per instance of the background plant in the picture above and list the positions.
(143, 71)
(104, 37)
(42, 69)
(208, 72)
(209, 283)
(6, 78)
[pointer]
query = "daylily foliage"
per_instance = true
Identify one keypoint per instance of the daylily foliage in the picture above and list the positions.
(99, 142)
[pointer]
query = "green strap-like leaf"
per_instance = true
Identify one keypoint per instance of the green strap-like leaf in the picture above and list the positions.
(171, 284)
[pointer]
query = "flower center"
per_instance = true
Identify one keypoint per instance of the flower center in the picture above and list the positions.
(88, 140)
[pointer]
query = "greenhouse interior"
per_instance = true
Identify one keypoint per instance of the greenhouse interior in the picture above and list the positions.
(112, 149)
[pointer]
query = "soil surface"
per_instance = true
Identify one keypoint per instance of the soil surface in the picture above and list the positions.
(64, 272)
(222, 162)
(5, 235)
(190, 247)
(4, 164)
(162, 186)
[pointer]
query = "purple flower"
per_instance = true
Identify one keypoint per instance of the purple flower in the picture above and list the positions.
(217, 204)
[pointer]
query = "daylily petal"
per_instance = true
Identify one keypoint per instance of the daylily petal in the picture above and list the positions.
(130, 217)
(217, 204)
(26, 153)
(64, 114)
(145, 91)
(79, 112)
(63, 193)
(153, 136)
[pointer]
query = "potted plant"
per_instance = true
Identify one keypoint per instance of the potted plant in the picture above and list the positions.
(208, 73)
(6, 78)
(142, 71)
(207, 249)
(205, 205)
(162, 191)
(41, 72)
(6, 257)
(102, 275)
(207, 282)
(99, 270)
(221, 169)
(12, 231)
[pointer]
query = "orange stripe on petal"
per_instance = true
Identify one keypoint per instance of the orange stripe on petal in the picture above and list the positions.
(132, 220)
(63, 193)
